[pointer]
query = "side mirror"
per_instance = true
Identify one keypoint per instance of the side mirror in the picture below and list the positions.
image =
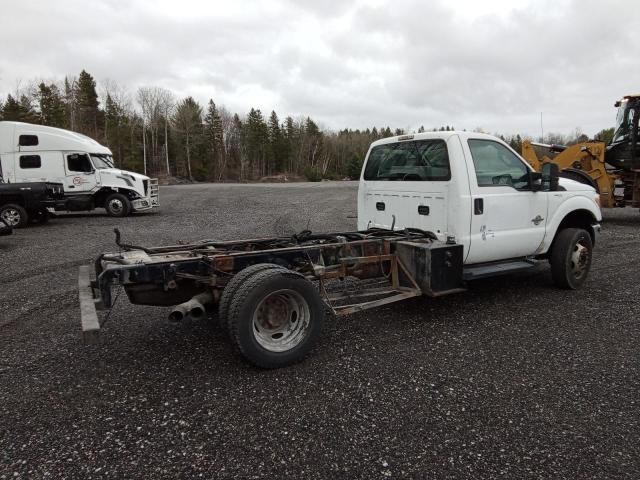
(550, 177)
(534, 181)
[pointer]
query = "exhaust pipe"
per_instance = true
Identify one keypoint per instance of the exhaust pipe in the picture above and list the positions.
(194, 308)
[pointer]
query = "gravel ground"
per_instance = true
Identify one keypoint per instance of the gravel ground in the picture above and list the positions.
(514, 379)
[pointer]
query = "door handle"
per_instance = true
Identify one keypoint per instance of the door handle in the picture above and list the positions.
(478, 206)
(380, 206)
(537, 220)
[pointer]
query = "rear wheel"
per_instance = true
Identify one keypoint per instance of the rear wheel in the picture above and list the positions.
(571, 258)
(276, 318)
(14, 215)
(234, 286)
(117, 205)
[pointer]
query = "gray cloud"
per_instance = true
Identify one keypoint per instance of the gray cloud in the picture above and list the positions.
(492, 64)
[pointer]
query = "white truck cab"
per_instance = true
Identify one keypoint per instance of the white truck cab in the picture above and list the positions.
(37, 153)
(473, 189)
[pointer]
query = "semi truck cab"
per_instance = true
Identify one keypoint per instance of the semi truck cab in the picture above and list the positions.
(36, 153)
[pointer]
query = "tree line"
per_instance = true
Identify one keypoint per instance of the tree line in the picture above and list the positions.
(156, 133)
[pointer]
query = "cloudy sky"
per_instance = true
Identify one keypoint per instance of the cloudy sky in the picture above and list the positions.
(493, 64)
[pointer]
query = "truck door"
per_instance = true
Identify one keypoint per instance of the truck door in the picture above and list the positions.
(508, 218)
(80, 175)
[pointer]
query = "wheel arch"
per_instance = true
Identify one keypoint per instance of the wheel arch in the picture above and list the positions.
(580, 176)
(101, 195)
(580, 218)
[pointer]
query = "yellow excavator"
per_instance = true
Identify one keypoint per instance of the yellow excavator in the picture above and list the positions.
(613, 170)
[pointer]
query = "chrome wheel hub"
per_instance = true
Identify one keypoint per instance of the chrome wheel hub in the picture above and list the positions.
(579, 260)
(281, 321)
(11, 217)
(115, 205)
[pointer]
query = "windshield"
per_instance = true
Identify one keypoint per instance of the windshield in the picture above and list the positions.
(101, 161)
(420, 160)
(620, 130)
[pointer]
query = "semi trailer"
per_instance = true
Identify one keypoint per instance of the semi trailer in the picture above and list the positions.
(435, 212)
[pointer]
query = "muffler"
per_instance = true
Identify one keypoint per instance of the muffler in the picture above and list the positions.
(195, 308)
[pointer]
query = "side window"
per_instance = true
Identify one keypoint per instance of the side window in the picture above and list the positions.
(79, 162)
(28, 140)
(30, 161)
(495, 165)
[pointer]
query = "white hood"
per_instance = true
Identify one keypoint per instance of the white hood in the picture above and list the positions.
(573, 186)
(123, 173)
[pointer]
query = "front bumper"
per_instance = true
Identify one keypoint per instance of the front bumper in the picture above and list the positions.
(143, 204)
(152, 200)
(595, 232)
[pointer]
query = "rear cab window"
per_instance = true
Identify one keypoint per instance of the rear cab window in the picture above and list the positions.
(419, 160)
(30, 161)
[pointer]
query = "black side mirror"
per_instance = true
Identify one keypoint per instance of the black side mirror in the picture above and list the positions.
(534, 181)
(550, 177)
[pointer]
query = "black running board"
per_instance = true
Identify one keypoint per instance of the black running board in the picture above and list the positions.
(484, 270)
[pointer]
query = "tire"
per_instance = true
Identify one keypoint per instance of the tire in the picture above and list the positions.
(276, 318)
(570, 258)
(234, 286)
(14, 215)
(117, 205)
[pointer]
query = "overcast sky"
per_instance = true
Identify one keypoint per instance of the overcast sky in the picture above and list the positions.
(494, 64)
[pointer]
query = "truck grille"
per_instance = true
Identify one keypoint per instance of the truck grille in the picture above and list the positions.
(146, 187)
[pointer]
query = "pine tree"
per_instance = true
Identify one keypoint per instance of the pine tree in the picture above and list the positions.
(214, 141)
(11, 109)
(256, 142)
(87, 101)
(51, 104)
(116, 127)
(20, 110)
(278, 153)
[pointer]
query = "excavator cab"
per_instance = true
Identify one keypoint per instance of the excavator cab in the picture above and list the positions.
(624, 152)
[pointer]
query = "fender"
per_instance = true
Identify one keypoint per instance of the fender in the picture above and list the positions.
(568, 206)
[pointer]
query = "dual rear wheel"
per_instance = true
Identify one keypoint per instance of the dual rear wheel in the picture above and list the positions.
(273, 316)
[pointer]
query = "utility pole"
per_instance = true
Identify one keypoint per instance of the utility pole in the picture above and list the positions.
(541, 130)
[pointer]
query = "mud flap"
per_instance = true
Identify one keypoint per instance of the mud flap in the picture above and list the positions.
(88, 314)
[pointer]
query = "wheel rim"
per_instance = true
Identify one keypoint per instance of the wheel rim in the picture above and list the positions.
(116, 205)
(281, 321)
(11, 216)
(579, 260)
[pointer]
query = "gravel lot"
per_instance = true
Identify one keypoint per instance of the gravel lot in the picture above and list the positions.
(514, 379)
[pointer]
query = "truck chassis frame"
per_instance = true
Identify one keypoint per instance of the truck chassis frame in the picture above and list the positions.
(392, 265)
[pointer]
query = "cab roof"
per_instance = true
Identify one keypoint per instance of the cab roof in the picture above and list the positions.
(443, 135)
(49, 138)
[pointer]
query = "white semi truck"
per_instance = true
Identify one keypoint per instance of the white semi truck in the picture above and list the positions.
(435, 211)
(37, 153)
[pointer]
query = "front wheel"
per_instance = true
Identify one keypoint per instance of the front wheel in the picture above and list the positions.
(14, 215)
(117, 205)
(570, 258)
(275, 318)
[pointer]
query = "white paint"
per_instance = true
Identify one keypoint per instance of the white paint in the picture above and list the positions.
(55, 147)
(507, 226)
